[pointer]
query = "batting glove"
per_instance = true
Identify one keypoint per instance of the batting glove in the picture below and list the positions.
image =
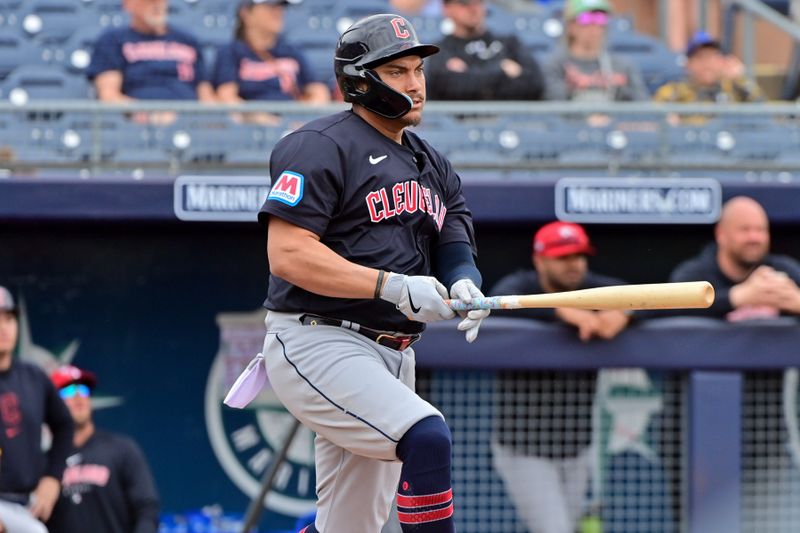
(420, 298)
(465, 290)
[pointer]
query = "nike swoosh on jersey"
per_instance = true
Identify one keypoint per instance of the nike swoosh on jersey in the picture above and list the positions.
(411, 302)
(376, 160)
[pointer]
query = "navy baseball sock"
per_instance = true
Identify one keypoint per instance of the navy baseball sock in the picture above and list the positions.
(309, 529)
(424, 496)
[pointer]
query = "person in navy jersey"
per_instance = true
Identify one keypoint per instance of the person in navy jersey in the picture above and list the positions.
(29, 477)
(368, 232)
(149, 59)
(259, 64)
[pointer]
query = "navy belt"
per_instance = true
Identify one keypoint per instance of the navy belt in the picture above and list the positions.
(384, 338)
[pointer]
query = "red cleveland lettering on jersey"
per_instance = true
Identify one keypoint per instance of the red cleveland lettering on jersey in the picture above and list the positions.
(10, 414)
(159, 51)
(86, 474)
(406, 197)
(399, 25)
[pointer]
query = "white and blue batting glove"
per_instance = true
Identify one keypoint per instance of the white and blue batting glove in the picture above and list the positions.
(420, 298)
(465, 290)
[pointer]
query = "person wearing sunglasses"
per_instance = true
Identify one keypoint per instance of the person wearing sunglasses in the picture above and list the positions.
(107, 485)
(583, 69)
(29, 477)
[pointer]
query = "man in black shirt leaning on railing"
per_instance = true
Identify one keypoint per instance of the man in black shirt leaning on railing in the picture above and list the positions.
(749, 281)
(545, 457)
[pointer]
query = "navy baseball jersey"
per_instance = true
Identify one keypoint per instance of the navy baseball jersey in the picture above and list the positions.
(153, 67)
(27, 400)
(373, 201)
(282, 77)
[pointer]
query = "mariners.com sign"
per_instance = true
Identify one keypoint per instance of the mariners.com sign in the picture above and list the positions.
(638, 200)
(219, 198)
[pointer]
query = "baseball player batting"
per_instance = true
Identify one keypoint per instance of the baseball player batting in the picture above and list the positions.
(368, 233)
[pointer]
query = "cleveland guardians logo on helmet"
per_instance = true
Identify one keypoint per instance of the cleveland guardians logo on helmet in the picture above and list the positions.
(368, 43)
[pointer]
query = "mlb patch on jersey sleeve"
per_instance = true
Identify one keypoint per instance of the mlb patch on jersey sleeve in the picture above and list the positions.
(288, 188)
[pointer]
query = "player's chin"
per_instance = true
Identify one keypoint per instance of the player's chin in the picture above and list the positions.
(413, 117)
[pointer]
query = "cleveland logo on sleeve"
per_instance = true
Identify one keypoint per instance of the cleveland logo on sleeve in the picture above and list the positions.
(288, 188)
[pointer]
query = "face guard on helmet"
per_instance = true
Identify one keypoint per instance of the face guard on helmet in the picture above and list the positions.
(368, 43)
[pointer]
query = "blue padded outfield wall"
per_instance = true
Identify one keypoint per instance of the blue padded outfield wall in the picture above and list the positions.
(166, 312)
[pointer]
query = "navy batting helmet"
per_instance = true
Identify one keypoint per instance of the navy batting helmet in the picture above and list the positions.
(366, 44)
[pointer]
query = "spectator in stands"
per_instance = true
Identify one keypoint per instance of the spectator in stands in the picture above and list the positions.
(712, 76)
(107, 485)
(583, 69)
(149, 60)
(259, 64)
(546, 468)
(29, 477)
(748, 280)
(475, 64)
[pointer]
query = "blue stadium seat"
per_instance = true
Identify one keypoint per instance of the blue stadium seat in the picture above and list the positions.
(107, 13)
(429, 29)
(52, 21)
(44, 82)
(106, 134)
(77, 51)
(320, 60)
(15, 51)
(500, 21)
(357, 9)
(9, 21)
(217, 23)
(656, 62)
(193, 20)
(766, 145)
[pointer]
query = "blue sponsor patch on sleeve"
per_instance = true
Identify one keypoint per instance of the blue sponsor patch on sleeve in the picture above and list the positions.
(288, 188)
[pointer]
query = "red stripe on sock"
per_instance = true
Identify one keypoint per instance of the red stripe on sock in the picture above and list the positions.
(425, 500)
(425, 516)
(303, 530)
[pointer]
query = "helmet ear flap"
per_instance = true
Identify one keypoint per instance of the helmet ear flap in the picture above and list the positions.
(382, 99)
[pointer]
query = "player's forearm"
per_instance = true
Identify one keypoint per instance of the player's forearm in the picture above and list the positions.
(316, 268)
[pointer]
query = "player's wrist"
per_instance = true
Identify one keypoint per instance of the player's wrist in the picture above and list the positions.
(379, 284)
(392, 287)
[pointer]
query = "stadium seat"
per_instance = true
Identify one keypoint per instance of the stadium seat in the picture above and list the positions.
(657, 64)
(320, 60)
(77, 50)
(357, 9)
(107, 13)
(52, 21)
(766, 145)
(15, 51)
(39, 82)
(105, 135)
(500, 21)
(189, 18)
(218, 23)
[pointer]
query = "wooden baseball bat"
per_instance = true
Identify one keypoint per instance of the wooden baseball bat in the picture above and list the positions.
(684, 295)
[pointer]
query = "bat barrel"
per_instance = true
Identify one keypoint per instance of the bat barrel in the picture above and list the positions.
(683, 295)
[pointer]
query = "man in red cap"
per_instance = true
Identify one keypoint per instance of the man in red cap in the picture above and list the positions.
(29, 477)
(545, 459)
(107, 485)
